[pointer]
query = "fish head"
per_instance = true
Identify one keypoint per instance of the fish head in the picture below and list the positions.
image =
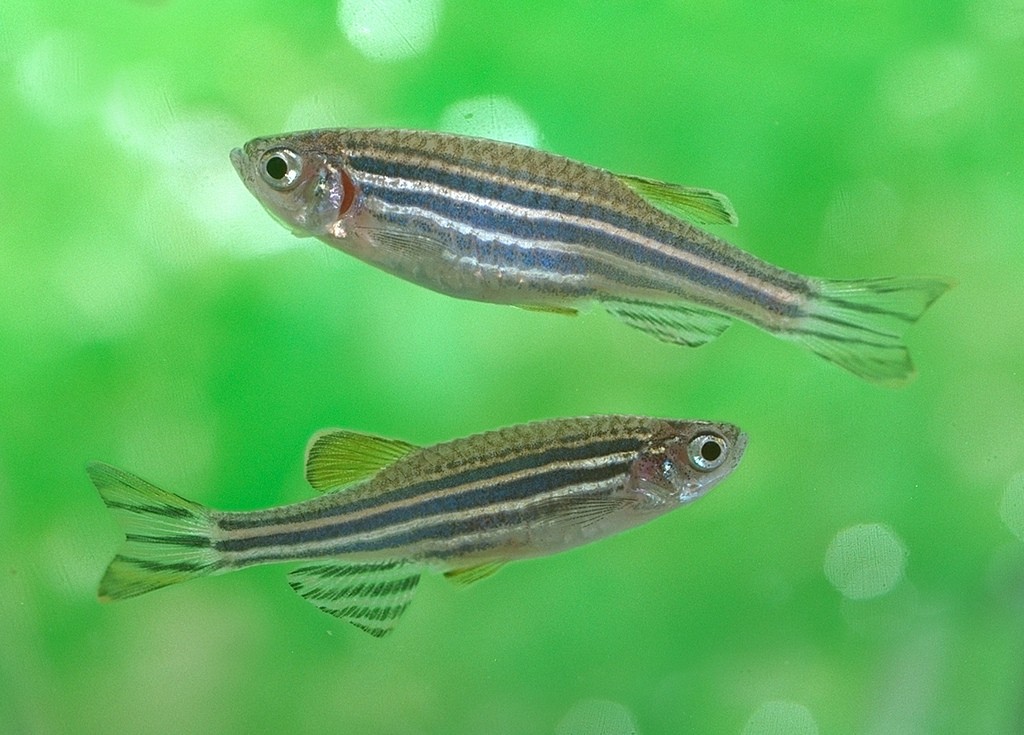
(684, 461)
(301, 187)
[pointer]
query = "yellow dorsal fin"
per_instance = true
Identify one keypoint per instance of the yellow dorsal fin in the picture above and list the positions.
(703, 206)
(468, 575)
(336, 457)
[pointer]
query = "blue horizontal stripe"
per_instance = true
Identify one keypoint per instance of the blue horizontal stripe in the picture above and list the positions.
(537, 231)
(522, 488)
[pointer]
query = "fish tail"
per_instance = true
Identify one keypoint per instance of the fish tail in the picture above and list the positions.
(167, 539)
(859, 325)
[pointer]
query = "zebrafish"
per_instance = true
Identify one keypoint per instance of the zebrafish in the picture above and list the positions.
(492, 221)
(391, 510)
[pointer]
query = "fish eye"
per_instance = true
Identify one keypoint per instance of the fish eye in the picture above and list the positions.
(707, 451)
(280, 168)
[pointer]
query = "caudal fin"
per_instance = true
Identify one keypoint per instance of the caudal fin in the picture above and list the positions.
(167, 539)
(859, 325)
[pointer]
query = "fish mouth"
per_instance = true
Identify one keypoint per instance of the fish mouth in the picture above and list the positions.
(741, 445)
(691, 491)
(238, 161)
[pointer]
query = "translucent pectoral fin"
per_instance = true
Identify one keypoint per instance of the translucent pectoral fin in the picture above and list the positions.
(467, 575)
(583, 511)
(564, 310)
(370, 596)
(411, 245)
(703, 206)
(336, 457)
(670, 322)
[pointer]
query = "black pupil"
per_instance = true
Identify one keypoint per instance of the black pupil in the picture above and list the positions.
(710, 450)
(277, 168)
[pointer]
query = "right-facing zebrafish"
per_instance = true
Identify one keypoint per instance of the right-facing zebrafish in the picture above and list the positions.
(492, 221)
(391, 510)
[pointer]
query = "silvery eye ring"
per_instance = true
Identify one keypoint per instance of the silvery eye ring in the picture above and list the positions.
(707, 451)
(280, 168)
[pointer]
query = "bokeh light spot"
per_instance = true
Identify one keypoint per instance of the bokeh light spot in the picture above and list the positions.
(56, 79)
(779, 717)
(389, 30)
(865, 561)
(490, 116)
(928, 93)
(597, 717)
(198, 197)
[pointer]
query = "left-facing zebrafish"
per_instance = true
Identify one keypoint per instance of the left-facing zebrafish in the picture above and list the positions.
(391, 509)
(492, 221)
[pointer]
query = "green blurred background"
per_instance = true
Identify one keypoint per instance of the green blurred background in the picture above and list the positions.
(861, 572)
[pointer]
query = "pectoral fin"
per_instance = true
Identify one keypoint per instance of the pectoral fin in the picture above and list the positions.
(583, 511)
(467, 575)
(336, 457)
(370, 596)
(564, 310)
(676, 323)
(703, 206)
(412, 245)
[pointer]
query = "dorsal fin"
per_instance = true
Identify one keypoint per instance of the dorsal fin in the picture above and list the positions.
(336, 457)
(703, 206)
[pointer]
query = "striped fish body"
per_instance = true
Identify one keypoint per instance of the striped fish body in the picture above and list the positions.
(390, 510)
(493, 221)
(512, 493)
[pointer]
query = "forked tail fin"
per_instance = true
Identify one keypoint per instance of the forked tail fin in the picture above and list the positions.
(167, 539)
(859, 325)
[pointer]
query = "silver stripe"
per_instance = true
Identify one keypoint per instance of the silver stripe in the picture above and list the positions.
(684, 257)
(333, 547)
(310, 550)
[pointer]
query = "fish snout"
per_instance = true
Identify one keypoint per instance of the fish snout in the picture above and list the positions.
(238, 161)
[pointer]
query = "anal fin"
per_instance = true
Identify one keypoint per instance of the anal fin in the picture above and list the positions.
(371, 596)
(670, 322)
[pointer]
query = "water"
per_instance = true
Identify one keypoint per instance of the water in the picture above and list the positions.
(860, 572)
